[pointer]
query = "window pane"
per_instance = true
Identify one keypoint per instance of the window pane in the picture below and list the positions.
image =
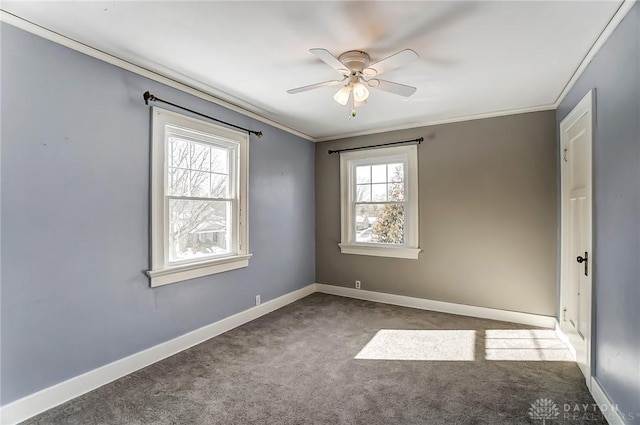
(198, 229)
(178, 181)
(378, 192)
(363, 193)
(220, 160)
(396, 172)
(219, 186)
(200, 157)
(379, 173)
(366, 216)
(396, 191)
(200, 184)
(380, 223)
(178, 153)
(363, 174)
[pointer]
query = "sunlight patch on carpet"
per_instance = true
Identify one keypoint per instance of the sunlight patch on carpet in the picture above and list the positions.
(525, 345)
(433, 345)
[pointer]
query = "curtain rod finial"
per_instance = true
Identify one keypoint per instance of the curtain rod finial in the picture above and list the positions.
(259, 134)
(148, 97)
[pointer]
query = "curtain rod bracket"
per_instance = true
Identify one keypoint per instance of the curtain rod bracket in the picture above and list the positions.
(147, 96)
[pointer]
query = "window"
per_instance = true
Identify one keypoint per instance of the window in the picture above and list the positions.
(199, 176)
(379, 202)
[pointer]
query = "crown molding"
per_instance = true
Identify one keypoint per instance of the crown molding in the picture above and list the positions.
(620, 14)
(617, 18)
(57, 38)
(430, 123)
(202, 93)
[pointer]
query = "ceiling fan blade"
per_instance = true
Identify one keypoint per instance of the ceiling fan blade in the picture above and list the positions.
(330, 60)
(315, 86)
(393, 61)
(391, 87)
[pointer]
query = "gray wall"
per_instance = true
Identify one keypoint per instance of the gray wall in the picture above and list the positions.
(615, 74)
(487, 216)
(75, 214)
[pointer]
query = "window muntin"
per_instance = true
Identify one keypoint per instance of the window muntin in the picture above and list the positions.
(199, 198)
(379, 202)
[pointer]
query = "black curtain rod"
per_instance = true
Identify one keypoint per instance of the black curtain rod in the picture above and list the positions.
(149, 97)
(417, 141)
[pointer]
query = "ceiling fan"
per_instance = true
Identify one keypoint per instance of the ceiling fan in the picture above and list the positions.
(358, 73)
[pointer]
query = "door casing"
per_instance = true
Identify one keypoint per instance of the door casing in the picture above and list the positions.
(568, 259)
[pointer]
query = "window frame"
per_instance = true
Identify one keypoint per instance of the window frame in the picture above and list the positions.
(348, 187)
(163, 271)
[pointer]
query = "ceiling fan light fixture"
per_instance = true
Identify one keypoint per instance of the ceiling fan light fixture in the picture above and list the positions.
(342, 95)
(361, 74)
(360, 92)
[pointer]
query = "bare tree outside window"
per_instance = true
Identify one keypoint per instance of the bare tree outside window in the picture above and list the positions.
(199, 198)
(197, 227)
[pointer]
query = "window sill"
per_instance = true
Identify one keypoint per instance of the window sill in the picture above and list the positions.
(378, 251)
(191, 271)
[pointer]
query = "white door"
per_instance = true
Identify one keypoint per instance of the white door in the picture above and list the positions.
(576, 133)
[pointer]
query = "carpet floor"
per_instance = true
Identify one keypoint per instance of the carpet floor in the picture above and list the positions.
(332, 360)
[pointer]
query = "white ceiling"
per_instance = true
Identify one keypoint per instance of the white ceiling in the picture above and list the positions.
(477, 58)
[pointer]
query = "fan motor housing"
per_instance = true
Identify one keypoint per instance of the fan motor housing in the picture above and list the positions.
(355, 60)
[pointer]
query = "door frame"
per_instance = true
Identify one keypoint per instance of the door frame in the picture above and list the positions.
(585, 106)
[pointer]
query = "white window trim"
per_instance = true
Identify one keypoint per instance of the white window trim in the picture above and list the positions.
(410, 249)
(161, 272)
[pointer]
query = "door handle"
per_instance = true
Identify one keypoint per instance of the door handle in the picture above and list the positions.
(584, 260)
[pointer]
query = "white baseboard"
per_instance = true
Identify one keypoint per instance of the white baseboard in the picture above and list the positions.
(440, 306)
(55, 395)
(608, 409)
(565, 339)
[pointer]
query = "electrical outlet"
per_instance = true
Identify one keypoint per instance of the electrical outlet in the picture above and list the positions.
(357, 284)
(257, 299)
